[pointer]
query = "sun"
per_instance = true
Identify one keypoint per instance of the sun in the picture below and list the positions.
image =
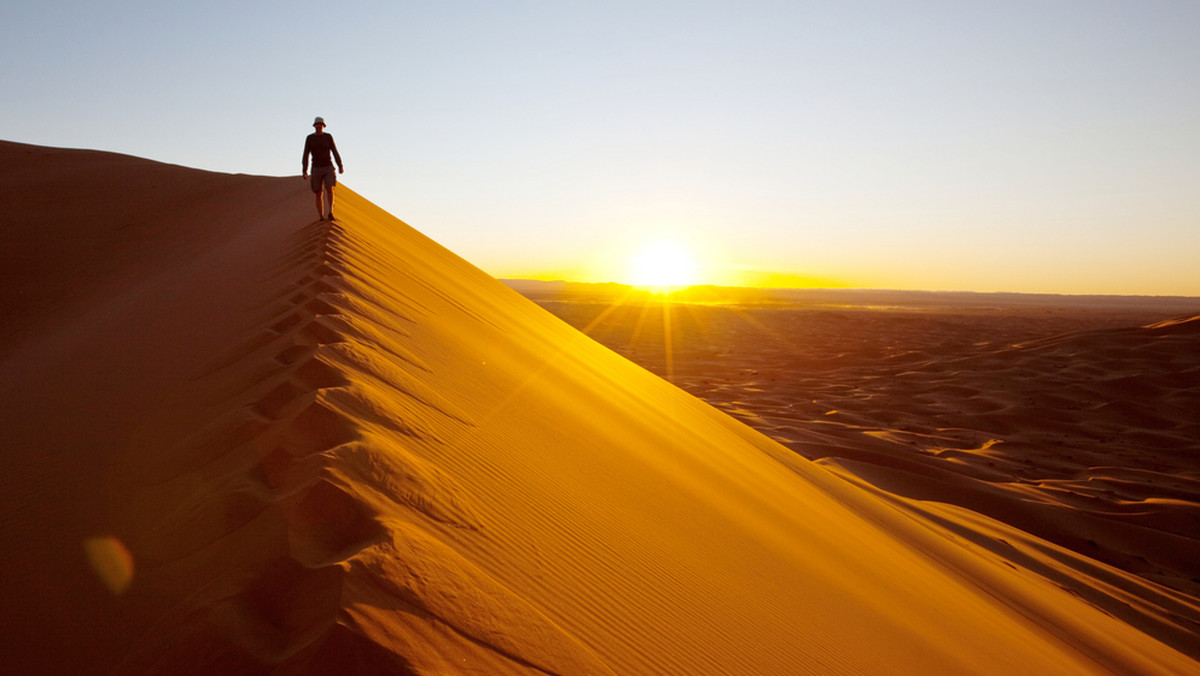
(663, 266)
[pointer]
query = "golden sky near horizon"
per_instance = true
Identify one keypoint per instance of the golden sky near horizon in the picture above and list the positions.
(930, 145)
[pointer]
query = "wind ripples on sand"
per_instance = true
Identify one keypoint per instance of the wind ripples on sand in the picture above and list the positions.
(1074, 424)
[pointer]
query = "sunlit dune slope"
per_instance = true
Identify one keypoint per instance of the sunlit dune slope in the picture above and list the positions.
(240, 441)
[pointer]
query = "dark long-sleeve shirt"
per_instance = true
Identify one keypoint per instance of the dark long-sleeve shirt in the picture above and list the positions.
(320, 146)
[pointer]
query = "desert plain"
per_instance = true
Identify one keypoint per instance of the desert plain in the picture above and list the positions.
(239, 440)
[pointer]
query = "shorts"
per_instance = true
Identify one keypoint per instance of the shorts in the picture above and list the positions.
(321, 177)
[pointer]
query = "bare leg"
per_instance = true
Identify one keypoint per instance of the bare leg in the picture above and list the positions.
(329, 191)
(320, 211)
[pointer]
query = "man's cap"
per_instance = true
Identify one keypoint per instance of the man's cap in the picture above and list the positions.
(320, 121)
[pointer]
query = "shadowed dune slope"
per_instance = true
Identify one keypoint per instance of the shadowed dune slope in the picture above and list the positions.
(239, 441)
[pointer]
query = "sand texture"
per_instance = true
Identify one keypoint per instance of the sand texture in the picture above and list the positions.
(240, 441)
(1075, 421)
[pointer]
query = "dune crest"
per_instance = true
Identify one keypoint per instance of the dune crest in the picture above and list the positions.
(339, 447)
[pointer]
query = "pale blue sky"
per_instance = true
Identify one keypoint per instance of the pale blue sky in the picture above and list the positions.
(1023, 146)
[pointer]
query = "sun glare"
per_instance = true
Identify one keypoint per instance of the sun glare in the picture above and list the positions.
(662, 267)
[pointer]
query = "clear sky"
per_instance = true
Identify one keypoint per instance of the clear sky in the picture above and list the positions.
(1044, 146)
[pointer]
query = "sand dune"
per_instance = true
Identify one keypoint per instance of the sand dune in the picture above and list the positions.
(1083, 443)
(243, 442)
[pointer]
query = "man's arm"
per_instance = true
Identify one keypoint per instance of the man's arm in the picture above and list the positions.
(304, 158)
(336, 156)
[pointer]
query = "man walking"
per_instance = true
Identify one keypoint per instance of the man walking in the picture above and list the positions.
(320, 145)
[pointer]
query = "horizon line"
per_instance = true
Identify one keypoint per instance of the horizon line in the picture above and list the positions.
(844, 289)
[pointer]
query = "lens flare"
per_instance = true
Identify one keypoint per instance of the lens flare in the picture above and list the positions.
(111, 561)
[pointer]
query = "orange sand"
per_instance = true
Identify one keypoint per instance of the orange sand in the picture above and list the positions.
(243, 442)
(1087, 438)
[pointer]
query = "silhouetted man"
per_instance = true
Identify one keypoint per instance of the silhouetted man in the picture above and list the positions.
(320, 145)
